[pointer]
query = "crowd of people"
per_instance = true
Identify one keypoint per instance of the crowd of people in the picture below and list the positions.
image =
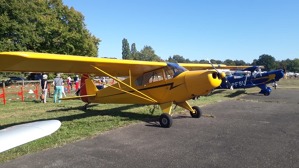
(58, 84)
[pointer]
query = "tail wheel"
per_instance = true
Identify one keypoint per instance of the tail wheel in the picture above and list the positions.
(165, 120)
(197, 112)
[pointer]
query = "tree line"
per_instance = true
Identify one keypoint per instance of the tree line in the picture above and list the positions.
(44, 26)
(148, 54)
(52, 27)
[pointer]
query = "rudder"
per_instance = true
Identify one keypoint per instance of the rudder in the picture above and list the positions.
(87, 87)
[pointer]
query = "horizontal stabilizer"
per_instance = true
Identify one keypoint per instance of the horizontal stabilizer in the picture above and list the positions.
(77, 97)
(20, 134)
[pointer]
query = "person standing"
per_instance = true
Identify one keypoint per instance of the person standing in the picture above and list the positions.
(76, 80)
(58, 86)
(63, 89)
(44, 86)
(69, 84)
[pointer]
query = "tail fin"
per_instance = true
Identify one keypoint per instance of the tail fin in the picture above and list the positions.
(87, 87)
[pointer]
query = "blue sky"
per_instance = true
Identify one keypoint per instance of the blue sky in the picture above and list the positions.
(195, 29)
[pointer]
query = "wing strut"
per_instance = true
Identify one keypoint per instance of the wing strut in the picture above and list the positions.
(146, 97)
(130, 77)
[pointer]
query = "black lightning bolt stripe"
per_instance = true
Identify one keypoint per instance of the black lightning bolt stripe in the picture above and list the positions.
(154, 87)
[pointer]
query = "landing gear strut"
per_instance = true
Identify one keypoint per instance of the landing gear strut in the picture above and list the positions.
(166, 119)
(274, 85)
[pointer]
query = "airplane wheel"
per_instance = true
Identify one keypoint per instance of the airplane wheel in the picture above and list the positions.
(197, 113)
(267, 91)
(165, 120)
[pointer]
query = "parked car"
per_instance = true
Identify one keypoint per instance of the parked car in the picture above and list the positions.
(12, 80)
(35, 76)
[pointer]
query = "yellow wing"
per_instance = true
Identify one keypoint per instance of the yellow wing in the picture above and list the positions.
(193, 66)
(42, 62)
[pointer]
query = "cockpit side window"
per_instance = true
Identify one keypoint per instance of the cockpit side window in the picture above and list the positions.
(150, 77)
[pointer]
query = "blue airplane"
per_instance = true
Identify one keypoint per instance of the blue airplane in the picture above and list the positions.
(253, 77)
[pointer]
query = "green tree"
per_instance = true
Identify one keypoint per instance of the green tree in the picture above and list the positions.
(216, 61)
(267, 61)
(202, 61)
(125, 49)
(44, 26)
(254, 62)
(148, 54)
(188, 60)
(170, 59)
(134, 52)
(284, 64)
(229, 62)
(289, 65)
(239, 62)
(177, 58)
(294, 65)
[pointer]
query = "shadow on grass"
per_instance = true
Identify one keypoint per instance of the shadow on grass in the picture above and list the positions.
(65, 109)
(255, 94)
(217, 91)
(116, 112)
(236, 93)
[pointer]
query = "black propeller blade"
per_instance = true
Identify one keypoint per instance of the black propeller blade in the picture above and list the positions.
(222, 76)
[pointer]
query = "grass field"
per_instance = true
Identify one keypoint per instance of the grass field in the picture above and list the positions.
(98, 118)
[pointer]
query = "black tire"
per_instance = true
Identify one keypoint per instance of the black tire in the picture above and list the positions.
(165, 120)
(267, 93)
(197, 113)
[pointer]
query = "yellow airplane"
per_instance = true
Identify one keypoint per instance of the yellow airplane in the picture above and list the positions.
(164, 84)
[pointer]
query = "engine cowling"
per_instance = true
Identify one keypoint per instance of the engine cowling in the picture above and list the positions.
(202, 82)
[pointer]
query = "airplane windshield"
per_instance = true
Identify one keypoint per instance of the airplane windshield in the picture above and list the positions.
(176, 68)
(170, 71)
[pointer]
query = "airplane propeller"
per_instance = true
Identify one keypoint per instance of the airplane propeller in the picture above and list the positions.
(223, 76)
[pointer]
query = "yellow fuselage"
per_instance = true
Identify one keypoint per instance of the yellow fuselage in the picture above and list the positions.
(185, 86)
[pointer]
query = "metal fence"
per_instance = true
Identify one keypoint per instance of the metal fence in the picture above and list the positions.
(20, 91)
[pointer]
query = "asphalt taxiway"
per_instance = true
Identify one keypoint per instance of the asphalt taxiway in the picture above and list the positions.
(253, 131)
